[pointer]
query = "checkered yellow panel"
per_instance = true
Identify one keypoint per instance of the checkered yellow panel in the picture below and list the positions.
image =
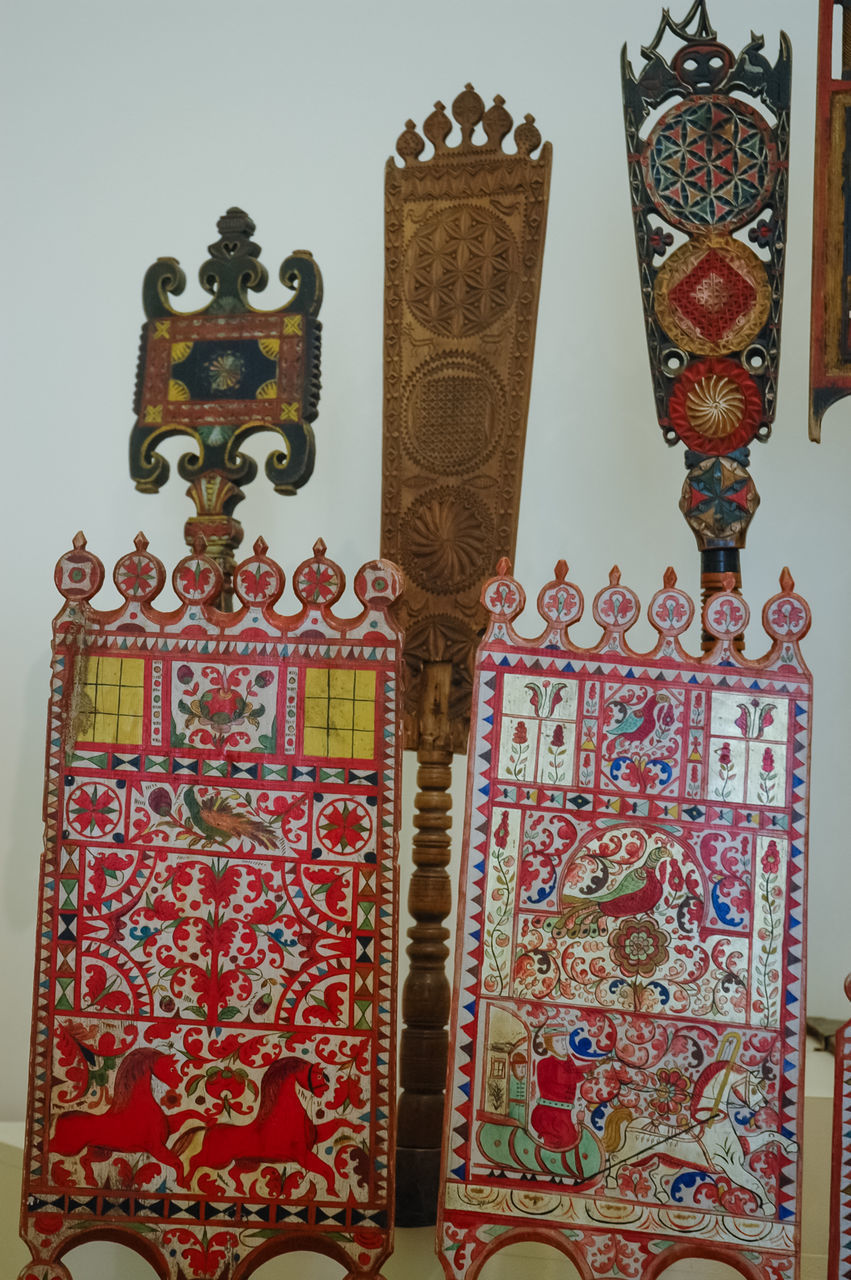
(113, 700)
(339, 713)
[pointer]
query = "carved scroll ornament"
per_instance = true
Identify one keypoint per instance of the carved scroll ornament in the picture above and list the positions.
(222, 373)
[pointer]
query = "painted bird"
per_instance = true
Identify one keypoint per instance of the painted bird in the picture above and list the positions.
(219, 822)
(637, 893)
(657, 713)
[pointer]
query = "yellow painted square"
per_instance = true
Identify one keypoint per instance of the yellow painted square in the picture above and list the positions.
(316, 713)
(316, 682)
(341, 684)
(365, 685)
(131, 700)
(363, 745)
(106, 698)
(340, 713)
(129, 729)
(364, 716)
(339, 742)
(315, 742)
(133, 671)
(104, 728)
(109, 671)
(292, 324)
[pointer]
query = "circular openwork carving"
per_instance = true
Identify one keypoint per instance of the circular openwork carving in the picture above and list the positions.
(715, 406)
(710, 163)
(447, 540)
(712, 295)
(462, 271)
(453, 414)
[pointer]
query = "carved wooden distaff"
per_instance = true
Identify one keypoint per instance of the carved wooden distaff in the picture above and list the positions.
(464, 243)
(711, 167)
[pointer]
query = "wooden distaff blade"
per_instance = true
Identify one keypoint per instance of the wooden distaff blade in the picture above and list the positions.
(830, 338)
(464, 241)
(707, 136)
(463, 251)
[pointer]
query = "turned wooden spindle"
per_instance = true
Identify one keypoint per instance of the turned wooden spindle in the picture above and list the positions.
(426, 994)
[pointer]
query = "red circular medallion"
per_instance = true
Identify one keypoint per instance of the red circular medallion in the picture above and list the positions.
(715, 406)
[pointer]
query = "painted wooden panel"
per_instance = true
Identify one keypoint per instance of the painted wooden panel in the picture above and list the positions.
(627, 1025)
(212, 1058)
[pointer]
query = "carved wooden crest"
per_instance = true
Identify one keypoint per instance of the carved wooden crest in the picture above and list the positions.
(222, 373)
(212, 1067)
(830, 351)
(708, 180)
(628, 1026)
(464, 238)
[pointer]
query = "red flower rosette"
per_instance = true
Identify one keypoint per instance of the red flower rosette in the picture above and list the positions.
(715, 406)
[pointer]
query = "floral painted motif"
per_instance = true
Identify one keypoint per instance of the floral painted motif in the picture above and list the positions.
(625, 1053)
(641, 738)
(223, 707)
(217, 938)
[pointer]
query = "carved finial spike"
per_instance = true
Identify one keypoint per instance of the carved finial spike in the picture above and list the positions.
(468, 109)
(669, 577)
(614, 576)
(728, 581)
(437, 127)
(140, 542)
(503, 567)
(79, 541)
(409, 144)
(199, 544)
(787, 582)
(319, 547)
(527, 136)
(561, 570)
(440, 106)
(499, 101)
(261, 546)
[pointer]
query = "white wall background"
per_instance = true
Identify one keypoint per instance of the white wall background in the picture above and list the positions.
(130, 128)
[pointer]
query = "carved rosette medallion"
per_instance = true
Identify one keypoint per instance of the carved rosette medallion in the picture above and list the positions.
(464, 237)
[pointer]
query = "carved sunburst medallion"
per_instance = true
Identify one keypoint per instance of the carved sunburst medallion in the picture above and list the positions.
(715, 406)
(462, 271)
(447, 540)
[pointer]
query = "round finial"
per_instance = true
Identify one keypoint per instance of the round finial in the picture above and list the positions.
(259, 581)
(319, 581)
(197, 579)
(78, 574)
(139, 576)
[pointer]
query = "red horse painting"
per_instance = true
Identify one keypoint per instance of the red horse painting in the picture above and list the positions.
(281, 1132)
(134, 1121)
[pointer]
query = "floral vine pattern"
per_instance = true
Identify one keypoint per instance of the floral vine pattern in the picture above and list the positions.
(219, 924)
(627, 1041)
